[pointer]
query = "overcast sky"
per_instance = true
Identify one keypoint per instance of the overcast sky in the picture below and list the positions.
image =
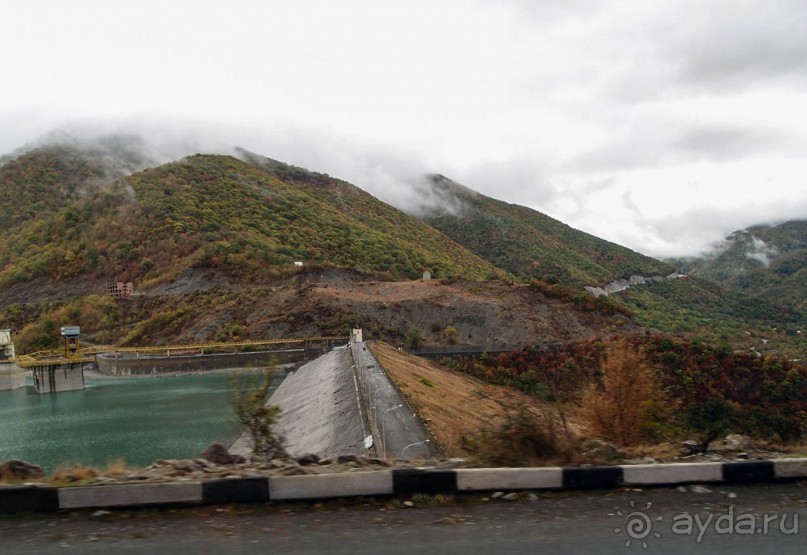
(660, 125)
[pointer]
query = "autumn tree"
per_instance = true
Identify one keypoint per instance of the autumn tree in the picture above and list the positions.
(616, 407)
(251, 403)
(563, 383)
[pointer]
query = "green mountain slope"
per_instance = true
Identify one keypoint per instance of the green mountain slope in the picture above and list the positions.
(345, 197)
(528, 243)
(207, 212)
(76, 218)
(532, 245)
(701, 309)
(44, 180)
(41, 182)
(770, 262)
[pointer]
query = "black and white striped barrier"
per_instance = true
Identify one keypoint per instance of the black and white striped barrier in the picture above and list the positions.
(392, 483)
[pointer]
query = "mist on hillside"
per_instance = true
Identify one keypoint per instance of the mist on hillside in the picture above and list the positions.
(397, 178)
(410, 180)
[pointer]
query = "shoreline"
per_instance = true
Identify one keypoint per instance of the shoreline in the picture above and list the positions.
(114, 365)
(96, 375)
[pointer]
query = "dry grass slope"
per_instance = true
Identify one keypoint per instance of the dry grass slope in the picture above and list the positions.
(452, 405)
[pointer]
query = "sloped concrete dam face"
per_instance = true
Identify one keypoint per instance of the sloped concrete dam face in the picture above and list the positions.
(320, 408)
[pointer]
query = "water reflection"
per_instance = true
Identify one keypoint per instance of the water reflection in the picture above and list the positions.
(138, 420)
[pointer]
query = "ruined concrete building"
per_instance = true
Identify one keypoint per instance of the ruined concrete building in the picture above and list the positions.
(119, 290)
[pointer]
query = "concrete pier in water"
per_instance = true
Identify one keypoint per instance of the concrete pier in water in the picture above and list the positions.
(58, 377)
(11, 376)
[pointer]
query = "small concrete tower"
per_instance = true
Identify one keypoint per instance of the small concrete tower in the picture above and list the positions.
(11, 375)
(71, 341)
(6, 347)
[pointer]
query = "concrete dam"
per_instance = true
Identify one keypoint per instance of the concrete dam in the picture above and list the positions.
(344, 403)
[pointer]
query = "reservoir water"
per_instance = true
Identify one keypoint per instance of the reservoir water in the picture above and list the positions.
(137, 420)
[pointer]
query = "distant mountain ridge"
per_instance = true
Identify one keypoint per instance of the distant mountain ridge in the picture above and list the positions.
(211, 243)
(526, 242)
(77, 216)
(531, 245)
(769, 261)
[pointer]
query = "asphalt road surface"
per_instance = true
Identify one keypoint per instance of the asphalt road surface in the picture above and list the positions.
(396, 425)
(563, 522)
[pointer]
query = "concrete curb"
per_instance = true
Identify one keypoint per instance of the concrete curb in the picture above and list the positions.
(129, 495)
(492, 479)
(283, 488)
(677, 473)
(15, 499)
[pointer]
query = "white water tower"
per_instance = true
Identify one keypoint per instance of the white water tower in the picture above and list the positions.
(11, 375)
(6, 346)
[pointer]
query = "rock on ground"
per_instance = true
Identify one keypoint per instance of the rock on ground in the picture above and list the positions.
(218, 453)
(20, 470)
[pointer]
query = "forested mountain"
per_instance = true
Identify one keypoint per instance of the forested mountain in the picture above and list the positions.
(768, 261)
(67, 218)
(731, 308)
(76, 217)
(530, 244)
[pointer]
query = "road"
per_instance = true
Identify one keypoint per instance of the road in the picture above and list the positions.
(579, 522)
(392, 420)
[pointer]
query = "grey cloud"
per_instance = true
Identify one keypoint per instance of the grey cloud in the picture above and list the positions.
(718, 142)
(691, 232)
(686, 47)
(627, 202)
(658, 141)
(725, 46)
(383, 170)
(625, 154)
(760, 251)
(524, 177)
(541, 11)
(637, 145)
(438, 196)
(390, 173)
(702, 230)
(137, 143)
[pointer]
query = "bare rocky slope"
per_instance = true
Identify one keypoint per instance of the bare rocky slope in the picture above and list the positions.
(207, 307)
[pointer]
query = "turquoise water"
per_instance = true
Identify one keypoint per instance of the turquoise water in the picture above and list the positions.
(137, 420)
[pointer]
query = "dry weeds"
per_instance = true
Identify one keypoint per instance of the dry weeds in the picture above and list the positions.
(452, 405)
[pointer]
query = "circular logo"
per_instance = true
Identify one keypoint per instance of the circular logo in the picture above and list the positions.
(637, 525)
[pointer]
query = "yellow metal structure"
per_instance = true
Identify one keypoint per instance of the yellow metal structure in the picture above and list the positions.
(87, 354)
